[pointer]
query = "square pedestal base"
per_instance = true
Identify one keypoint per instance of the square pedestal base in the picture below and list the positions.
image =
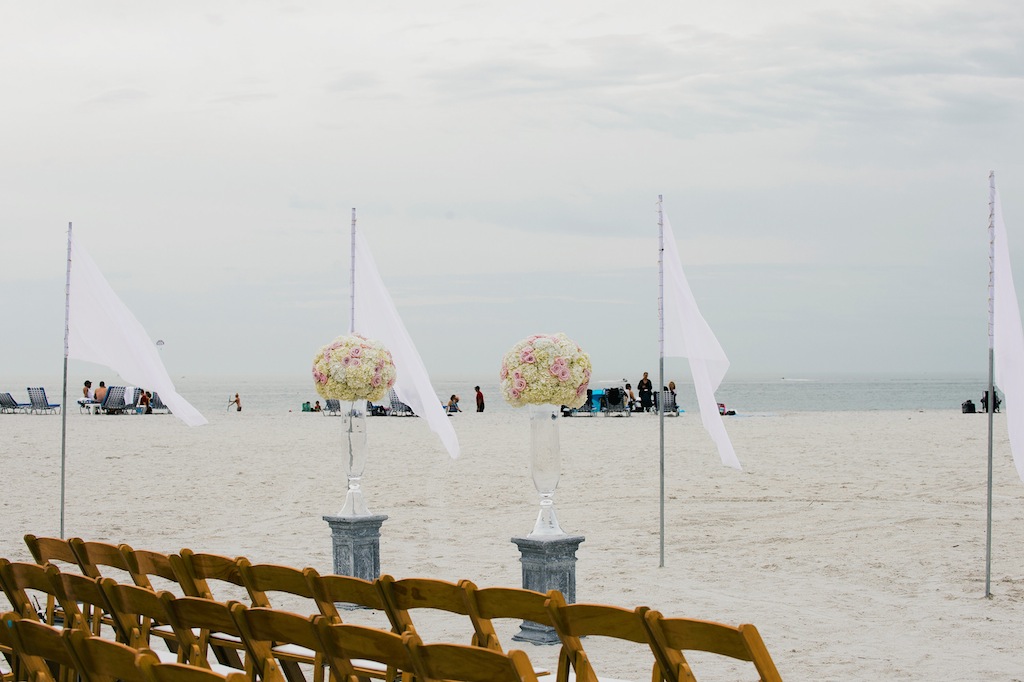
(549, 563)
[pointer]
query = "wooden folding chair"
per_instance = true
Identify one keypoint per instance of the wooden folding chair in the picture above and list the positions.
(409, 594)
(23, 582)
(573, 621)
(287, 585)
(460, 663)
(102, 660)
(99, 557)
(331, 590)
(202, 625)
(140, 614)
(40, 650)
(196, 571)
(354, 650)
(495, 603)
(156, 671)
(670, 637)
(82, 593)
(144, 566)
(56, 551)
(285, 640)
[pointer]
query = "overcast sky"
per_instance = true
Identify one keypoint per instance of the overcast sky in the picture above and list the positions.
(824, 164)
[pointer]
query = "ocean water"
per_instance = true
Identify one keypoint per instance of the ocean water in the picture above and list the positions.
(755, 396)
(276, 394)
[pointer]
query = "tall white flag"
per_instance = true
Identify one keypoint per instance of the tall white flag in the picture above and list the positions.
(1007, 338)
(376, 317)
(688, 335)
(101, 329)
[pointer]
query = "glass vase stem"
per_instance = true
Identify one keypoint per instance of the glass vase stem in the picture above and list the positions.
(355, 451)
(545, 465)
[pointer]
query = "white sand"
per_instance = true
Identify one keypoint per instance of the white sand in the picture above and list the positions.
(855, 542)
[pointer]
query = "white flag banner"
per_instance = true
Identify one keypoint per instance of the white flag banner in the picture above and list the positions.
(101, 329)
(377, 318)
(688, 335)
(1007, 339)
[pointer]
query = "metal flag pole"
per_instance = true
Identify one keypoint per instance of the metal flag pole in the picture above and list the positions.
(64, 400)
(661, 376)
(991, 402)
(352, 279)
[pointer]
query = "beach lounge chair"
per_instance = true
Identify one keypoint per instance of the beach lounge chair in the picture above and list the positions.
(39, 403)
(333, 408)
(8, 405)
(113, 401)
(584, 410)
(157, 404)
(669, 400)
(131, 400)
(398, 408)
(615, 400)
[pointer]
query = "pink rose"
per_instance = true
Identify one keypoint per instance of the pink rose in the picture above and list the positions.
(356, 352)
(558, 366)
(519, 384)
(581, 390)
(526, 355)
(376, 380)
(354, 362)
(515, 394)
(504, 371)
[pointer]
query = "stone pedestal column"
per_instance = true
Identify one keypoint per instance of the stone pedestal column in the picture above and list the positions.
(356, 541)
(549, 563)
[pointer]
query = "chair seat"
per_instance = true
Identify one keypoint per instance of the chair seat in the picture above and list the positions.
(223, 669)
(363, 664)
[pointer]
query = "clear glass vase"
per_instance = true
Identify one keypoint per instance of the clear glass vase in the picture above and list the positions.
(353, 424)
(545, 465)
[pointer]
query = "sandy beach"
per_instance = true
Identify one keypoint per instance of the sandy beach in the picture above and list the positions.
(854, 541)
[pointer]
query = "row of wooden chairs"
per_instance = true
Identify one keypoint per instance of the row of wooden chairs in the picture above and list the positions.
(196, 574)
(45, 653)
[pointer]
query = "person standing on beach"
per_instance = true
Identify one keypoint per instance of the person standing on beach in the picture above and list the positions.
(237, 402)
(646, 390)
(479, 399)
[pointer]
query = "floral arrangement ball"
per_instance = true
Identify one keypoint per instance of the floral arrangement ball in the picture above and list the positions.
(545, 369)
(353, 368)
